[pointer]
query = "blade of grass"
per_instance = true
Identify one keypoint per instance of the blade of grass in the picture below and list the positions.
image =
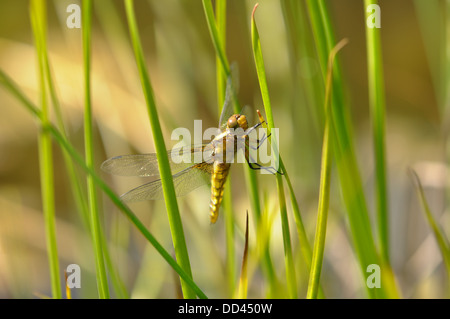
(102, 281)
(221, 77)
(63, 143)
(260, 69)
(324, 192)
(442, 241)
(243, 279)
(377, 115)
(176, 226)
(38, 22)
(215, 36)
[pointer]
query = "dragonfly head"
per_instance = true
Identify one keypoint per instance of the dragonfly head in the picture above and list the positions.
(237, 120)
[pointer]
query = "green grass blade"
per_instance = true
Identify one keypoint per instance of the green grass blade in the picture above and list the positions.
(260, 69)
(324, 192)
(176, 226)
(322, 216)
(38, 22)
(64, 144)
(302, 47)
(102, 280)
(441, 239)
(377, 114)
(243, 279)
(215, 35)
(221, 77)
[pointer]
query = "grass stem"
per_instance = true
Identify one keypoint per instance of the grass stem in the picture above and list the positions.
(260, 69)
(324, 193)
(102, 281)
(176, 226)
(39, 22)
(377, 115)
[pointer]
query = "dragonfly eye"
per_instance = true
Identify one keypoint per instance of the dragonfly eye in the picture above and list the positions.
(232, 122)
(242, 121)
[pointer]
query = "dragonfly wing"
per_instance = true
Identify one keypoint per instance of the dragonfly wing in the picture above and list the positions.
(147, 164)
(184, 182)
(231, 89)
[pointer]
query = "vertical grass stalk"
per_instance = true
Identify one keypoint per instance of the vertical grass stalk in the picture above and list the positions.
(377, 114)
(38, 22)
(243, 279)
(176, 226)
(102, 280)
(260, 69)
(324, 192)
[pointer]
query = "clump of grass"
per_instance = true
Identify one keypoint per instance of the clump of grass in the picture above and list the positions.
(344, 153)
(331, 124)
(79, 196)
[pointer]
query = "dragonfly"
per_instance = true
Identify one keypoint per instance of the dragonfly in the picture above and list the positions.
(213, 168)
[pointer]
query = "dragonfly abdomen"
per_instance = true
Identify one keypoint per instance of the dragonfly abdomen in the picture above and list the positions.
(218, 178)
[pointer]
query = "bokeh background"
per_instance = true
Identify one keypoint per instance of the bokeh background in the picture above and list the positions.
(181, 60)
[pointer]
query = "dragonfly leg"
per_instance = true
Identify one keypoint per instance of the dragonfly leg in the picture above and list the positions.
(270, 169)
(264, 138)
(259, 142)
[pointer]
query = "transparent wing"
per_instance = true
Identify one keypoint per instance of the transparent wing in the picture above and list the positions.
(147, 164)
(231, 89)
(184, 182)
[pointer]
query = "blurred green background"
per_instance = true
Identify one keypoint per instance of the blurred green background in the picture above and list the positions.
(181, 62)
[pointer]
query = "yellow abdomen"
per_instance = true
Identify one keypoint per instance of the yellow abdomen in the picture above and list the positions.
(218, 178)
